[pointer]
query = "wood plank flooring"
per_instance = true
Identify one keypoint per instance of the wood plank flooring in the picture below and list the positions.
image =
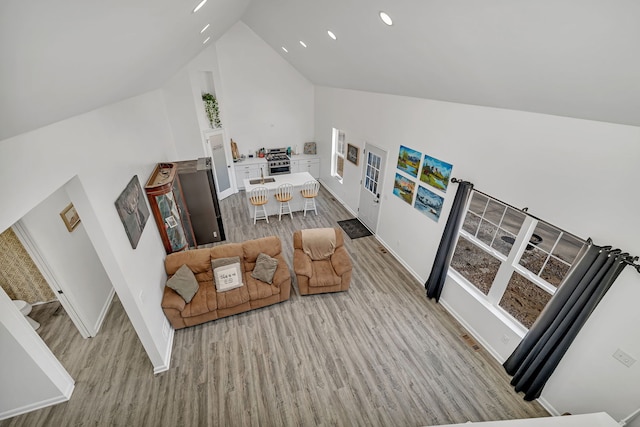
(380, 354)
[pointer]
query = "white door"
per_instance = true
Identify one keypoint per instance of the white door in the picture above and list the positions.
(371, 186)
(221, 163)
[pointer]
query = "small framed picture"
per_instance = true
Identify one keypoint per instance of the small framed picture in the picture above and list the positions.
(70, 217)
(171, 221)
(352, 153)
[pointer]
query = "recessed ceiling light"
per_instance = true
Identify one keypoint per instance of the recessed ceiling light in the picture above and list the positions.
(302, 43)
(204, 29)
(386, 18)
(285, 49)
(333, 36)
(206, 40)
(197, 8)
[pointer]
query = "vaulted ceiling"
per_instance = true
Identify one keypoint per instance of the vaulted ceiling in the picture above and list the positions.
(575, 58)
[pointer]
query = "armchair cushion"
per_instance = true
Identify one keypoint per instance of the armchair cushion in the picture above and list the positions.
(318, 243)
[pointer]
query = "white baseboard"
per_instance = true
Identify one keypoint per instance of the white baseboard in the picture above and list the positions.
(104, 311)
(167, 357)
(66, 395)
(355, 214)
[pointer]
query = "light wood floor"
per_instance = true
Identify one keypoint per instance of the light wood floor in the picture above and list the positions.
(380, 354)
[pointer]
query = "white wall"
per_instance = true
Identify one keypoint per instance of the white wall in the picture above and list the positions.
(265, 101)
(576, 174)
(103, 149)
(30, 375)
(72, 258)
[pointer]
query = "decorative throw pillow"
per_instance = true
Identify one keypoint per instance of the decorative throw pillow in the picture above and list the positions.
(227, 273)
(265, 268)
(184, 283)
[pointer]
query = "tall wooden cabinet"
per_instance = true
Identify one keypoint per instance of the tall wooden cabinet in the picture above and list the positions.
(169, 208)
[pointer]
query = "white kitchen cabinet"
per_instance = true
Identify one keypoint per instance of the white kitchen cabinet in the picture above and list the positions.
(250, 168)
(306, 163)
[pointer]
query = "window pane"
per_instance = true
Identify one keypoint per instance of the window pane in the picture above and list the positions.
(478, 203)
(533, 259)
(554, 271)
(545, 236)
(471, 222)
(486, 232)
(524, 300)
(475, 265)
(503, 242)
(494, 212)
(568, 248)
(512, 221)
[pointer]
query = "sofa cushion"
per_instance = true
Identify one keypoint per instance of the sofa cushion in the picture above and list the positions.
(227, 274)
(252, 248)
(265, 268)
(184, 283)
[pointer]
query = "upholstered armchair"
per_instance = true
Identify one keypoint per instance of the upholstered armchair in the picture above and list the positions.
(320, 261)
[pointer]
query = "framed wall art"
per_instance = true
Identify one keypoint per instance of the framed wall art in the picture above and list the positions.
(353, 153)
(429, 203)
(404, 188)
(436, 173)
(70, 217)
(409, 160)
(133, 210)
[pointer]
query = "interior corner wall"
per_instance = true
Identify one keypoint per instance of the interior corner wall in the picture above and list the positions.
(265, 103)
(576, 174)
(97, 154)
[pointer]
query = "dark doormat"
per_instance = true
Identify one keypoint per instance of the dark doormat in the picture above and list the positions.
(354, 228)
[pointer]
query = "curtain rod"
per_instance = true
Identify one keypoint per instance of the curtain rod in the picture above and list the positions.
(629, 259)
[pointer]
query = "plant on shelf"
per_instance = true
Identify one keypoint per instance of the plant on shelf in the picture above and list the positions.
(211, 108)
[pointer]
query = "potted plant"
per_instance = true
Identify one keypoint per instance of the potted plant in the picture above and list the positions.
(211, 108)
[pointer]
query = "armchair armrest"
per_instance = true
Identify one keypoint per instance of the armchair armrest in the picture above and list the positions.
(340, 261)
(302, 263)
(171, 299)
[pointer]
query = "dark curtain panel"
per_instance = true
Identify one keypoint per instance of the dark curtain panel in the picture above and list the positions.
(540, 351)
(436, 279)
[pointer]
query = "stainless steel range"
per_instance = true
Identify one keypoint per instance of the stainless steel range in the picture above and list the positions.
(278, 161)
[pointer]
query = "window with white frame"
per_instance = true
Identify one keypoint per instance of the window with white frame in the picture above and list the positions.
(514, 261)
(337, 153)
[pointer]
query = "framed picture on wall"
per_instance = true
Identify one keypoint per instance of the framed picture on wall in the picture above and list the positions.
(353, 153)
(70, 217)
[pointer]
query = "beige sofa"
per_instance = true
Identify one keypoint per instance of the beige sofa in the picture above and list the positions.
(208, 304)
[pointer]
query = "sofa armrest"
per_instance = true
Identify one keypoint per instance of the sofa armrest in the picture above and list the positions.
(171, 299)
(282, 273)
(340, 261)
(302, 263)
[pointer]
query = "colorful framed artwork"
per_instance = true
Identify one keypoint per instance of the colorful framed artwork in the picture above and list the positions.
(353, 153)
(429, 203)
(404, 188)
(70, 217)
(409, 161)
(435, 173)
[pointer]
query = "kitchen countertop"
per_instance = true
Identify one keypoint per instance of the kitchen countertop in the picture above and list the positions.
(251, 161)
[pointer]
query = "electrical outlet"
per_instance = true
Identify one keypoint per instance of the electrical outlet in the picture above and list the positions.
(624, 358)
(215, 234)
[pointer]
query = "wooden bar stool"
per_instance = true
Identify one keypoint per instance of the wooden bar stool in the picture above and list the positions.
(259, 198)
(284, 193)
(310, 192)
